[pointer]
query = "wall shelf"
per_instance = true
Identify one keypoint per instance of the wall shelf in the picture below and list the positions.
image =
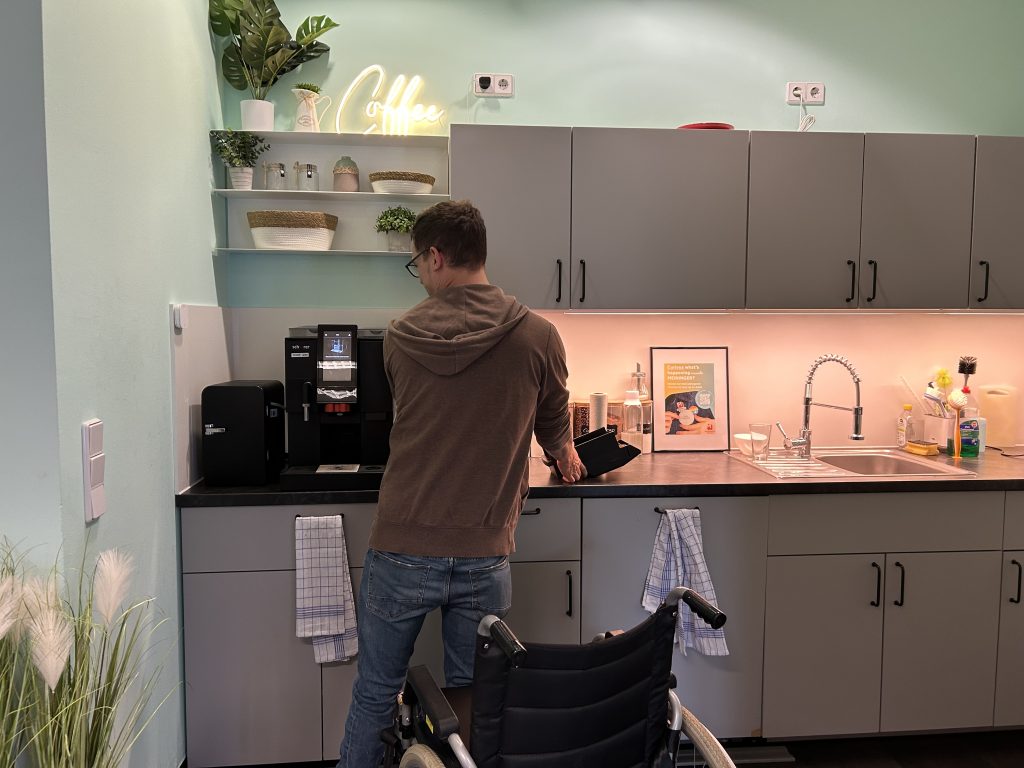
(328, 196)
(290, 251)
(354, 139)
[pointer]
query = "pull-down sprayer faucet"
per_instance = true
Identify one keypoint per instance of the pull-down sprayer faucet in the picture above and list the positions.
(803, 443)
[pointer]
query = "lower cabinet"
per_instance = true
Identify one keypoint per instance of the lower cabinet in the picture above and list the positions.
(618, 539)
(1010, 684)
(252, 689)
(902, 638)
(895, 642)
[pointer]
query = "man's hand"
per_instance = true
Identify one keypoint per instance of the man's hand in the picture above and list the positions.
(569, 465)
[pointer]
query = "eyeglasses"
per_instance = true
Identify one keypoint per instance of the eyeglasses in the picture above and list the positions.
(411, 267)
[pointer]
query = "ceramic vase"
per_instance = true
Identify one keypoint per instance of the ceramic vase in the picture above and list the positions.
(257, 115)
(241, 178)
(400, 242)
(306, 117)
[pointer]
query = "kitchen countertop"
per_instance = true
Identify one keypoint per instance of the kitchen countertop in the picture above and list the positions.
(664, 474)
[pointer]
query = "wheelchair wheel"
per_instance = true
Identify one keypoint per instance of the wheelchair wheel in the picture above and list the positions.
(420, 756)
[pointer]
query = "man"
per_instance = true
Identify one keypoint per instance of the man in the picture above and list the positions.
(473, 373)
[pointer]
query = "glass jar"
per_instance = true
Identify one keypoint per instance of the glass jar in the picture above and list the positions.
(307, 179)
(274, 176)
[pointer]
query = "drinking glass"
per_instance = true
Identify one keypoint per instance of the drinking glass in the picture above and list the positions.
(760, 437)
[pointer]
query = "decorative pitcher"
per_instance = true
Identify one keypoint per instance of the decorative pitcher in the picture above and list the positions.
(306, 117)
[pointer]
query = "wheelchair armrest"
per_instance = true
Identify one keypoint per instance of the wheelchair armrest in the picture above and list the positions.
(441, 719)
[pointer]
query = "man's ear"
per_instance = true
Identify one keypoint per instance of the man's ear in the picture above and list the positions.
(437, 259)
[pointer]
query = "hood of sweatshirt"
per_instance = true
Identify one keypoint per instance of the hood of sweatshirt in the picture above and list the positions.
(449, 331)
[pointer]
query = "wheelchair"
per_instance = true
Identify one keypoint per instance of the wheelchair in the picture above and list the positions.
(606, 704)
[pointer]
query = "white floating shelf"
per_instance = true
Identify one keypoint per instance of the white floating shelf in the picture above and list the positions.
(293, 194)
(354, 139)
(287, 251)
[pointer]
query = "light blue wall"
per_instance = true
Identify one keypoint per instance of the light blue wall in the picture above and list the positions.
(131, 94)
(30, 512)
(937, 66)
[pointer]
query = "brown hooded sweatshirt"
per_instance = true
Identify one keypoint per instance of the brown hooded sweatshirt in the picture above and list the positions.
(473, 373)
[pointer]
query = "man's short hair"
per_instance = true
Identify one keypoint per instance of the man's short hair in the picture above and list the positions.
(456, 228)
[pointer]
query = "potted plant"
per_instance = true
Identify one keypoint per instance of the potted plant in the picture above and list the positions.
(74, 690)
(239, 151)
(397, 222)
(260, 49)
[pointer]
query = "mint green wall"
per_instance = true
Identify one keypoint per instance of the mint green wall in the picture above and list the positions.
(131, 93)
(30, 512)
(937, 66)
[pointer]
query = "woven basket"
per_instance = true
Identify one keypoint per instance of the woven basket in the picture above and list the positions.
(292, 230)
(402, 182)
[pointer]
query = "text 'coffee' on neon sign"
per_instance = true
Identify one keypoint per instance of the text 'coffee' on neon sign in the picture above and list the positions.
(399, 114)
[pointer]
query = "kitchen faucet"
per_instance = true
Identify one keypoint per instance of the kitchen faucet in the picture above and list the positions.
(803, 443)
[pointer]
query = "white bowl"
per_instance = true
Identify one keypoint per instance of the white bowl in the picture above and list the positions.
(742, 440)
(401, 187)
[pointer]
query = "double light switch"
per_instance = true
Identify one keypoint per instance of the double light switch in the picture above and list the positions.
(93, 465)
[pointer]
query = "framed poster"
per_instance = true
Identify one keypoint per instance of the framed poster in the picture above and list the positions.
(690, 390)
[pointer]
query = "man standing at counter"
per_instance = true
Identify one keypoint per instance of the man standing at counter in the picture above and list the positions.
(473, 373)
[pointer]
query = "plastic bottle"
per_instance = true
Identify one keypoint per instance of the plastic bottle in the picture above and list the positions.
(970, 433)
(639, 383)
(632, 427)
(904, 426)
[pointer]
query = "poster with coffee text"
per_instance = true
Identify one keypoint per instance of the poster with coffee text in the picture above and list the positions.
(690, 386)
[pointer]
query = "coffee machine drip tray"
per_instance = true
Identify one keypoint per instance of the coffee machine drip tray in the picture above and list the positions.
(333, 477)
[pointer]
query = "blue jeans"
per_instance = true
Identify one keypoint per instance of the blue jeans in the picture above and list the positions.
(396, 593)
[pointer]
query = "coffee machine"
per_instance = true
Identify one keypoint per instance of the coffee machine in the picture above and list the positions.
(339, 408)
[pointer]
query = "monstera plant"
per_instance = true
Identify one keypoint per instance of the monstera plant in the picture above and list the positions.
(260, 49)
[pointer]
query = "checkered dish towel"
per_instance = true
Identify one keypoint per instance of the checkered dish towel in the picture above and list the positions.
(324, 608)
(678, 560)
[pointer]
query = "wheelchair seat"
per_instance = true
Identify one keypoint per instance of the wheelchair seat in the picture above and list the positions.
(605, 703)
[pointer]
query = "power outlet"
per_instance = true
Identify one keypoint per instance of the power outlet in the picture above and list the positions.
(813, 93)
(494, 85)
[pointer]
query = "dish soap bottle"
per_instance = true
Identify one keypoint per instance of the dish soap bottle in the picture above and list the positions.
(639, 383)
(904, 427)
(632, 418)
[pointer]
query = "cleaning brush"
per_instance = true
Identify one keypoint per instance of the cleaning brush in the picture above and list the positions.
(968, 367)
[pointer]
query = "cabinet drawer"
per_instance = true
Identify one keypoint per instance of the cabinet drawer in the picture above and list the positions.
(223, 539)
(549, 529)
(1013, 538)
(885, 522)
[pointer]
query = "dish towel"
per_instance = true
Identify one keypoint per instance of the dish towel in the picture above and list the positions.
(678, 560)
(324, 607)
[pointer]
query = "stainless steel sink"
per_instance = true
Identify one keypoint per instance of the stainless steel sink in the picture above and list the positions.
(854, 462)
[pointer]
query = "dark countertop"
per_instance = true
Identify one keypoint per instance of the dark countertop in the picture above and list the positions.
(663, 474)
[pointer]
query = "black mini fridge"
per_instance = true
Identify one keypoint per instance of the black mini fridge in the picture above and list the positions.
(243, 432)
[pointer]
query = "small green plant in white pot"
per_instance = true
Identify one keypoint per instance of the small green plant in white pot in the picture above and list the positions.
(397, 222)
(239, 150)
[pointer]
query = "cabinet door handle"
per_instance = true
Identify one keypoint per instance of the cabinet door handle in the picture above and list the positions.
(569, 575)
(1019, 571)
(903, 574)
(583, 280)
(987, 267)
(853, 280)
(878, 585)
(874, 279)
(558, 298)
(531, 511)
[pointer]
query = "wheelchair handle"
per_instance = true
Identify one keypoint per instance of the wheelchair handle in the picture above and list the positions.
(713, 617)
(497, 630)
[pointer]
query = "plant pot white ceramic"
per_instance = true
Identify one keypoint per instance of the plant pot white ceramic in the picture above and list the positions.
(257, 115)
(399, 242)
(241, 178)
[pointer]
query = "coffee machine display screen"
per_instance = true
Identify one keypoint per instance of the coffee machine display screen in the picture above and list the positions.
(336, 368)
